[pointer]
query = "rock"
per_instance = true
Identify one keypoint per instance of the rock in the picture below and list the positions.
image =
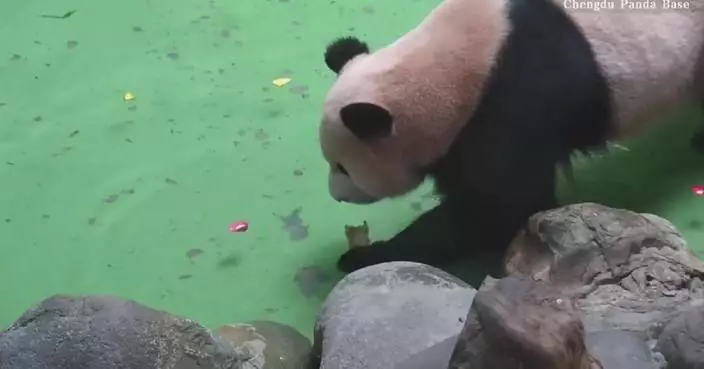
(102, 332)
(624, 270)
(682, 340)
(276, 345)
(588, 287)
(620, 350)
(522, 324)
(382, 315)
(432, 356)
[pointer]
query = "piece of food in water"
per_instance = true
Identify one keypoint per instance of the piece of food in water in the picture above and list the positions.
(698, 190)
(240, 226)
(357, 236)
(281, 82)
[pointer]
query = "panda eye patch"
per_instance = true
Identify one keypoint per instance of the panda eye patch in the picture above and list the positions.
(342, 169)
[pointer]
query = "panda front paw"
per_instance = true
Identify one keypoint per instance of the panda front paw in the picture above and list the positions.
(362, 257)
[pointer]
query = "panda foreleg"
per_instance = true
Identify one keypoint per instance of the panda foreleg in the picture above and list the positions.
(453, 230)
(697, 141)
(429, 240)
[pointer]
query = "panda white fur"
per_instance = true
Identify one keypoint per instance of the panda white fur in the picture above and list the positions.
(489, 97)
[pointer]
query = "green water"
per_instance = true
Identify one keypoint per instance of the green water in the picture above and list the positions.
(134, 198)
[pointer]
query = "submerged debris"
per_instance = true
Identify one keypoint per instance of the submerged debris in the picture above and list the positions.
(293, 224)
(309, 279)
(66, 15)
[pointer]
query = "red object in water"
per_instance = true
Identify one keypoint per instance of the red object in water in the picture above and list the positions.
(240, 226)
(698, 190)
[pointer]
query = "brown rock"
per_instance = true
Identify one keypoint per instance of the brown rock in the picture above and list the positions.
(522, 324)
(623, 269)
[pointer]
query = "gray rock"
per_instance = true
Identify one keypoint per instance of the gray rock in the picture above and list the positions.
(380, 316)
(102, 332)
(432, 356)
(277, 346)
(625, 271)
(620, 350)
(682, 340)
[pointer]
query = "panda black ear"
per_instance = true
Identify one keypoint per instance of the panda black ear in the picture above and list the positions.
(342, 50)
(367, 120)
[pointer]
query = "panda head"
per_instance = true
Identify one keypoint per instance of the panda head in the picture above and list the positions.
(362, 128)
(394, 114)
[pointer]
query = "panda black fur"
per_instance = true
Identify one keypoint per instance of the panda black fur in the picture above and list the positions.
(488, 98)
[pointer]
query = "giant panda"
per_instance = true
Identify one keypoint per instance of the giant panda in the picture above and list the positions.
(489, 98)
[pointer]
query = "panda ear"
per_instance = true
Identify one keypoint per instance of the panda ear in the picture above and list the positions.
(342, 50)
(367, 120)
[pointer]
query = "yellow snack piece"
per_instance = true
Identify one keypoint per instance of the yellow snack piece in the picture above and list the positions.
(128, 96)
(281, 82)
(357, 236)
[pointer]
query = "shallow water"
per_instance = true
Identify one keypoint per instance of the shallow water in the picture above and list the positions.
(134, 198)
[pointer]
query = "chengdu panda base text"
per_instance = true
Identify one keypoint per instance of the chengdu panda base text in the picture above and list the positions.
(607, 5)
(489, 98)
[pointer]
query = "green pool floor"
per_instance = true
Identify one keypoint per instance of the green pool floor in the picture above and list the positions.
(134, 198)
